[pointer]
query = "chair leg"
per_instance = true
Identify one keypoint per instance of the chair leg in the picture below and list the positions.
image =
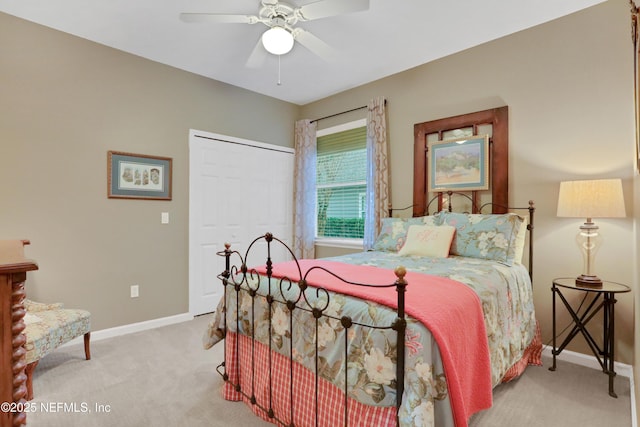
(29, 372)
(87, 349)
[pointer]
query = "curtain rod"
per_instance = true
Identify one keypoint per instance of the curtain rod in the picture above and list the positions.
(338, 114)
(344, 112)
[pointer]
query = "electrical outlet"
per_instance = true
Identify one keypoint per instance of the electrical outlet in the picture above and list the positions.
(135, 291)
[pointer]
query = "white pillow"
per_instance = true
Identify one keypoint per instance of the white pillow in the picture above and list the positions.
(520, 238)
(428, 240)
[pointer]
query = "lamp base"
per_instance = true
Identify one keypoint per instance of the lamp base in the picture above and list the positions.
(589, 281)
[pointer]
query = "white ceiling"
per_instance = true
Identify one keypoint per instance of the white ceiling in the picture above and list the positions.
(392, 36)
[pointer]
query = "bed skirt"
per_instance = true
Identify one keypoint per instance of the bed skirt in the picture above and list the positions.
(274, 387)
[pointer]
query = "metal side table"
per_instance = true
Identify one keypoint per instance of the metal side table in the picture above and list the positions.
(604, 299)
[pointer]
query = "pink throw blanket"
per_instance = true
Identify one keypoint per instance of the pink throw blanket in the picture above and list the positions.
(450, 310)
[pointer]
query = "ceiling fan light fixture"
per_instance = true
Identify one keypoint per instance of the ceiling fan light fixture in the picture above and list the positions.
(277, 41)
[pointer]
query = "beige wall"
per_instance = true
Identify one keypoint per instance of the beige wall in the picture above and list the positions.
(569, 88)
(64, 102)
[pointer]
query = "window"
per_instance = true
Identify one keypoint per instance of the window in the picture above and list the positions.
(341, 181)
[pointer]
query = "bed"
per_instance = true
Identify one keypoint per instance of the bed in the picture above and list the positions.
(415, 332)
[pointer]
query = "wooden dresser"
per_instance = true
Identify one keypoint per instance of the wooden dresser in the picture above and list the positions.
(13, 389)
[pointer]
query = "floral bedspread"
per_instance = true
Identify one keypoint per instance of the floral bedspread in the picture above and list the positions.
(507, 303)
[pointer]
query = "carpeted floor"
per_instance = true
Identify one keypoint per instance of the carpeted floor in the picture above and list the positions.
(163, 378)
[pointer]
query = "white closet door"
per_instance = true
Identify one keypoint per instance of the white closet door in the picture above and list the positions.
(238, 190)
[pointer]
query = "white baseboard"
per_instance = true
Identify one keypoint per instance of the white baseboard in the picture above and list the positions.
(588, 361)
(622, 369)
(634, 414)
(133, 327)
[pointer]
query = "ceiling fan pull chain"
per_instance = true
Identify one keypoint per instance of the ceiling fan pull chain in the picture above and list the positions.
(279, 83)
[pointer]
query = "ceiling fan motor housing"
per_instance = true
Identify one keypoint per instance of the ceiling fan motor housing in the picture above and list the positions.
(278, 15)
(278, 21)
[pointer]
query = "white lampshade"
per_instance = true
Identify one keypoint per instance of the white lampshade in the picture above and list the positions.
(600, 198)
(277, 40)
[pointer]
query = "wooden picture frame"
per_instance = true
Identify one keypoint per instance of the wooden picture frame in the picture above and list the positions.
(138, 176)
(498, 120)
(460, 164)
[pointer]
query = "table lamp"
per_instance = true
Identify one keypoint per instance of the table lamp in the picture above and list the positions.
(600, 198)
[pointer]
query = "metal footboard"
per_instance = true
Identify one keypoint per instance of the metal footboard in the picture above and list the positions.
(279, 290)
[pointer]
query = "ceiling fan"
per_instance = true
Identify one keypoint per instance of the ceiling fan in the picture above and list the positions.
(281, 19)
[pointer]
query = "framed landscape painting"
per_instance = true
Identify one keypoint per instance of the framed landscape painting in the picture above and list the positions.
(459, 164)
(138, 176)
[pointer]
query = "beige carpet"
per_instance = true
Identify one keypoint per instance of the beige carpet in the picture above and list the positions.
(162, 377)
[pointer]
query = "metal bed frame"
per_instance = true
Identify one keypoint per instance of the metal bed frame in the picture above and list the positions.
(236, 280)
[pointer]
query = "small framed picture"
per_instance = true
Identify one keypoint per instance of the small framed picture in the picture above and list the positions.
(459, 164)
(138, 176)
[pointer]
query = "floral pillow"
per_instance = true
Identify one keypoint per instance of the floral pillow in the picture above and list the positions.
(393, 232)
(428, 240)
(485, 236)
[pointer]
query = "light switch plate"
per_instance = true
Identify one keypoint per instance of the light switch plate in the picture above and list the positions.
(164, 218)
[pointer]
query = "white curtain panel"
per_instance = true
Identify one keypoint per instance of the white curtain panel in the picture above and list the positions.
(304, 190)
(377, 170)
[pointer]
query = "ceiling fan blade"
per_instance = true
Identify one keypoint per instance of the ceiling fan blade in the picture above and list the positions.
(313, 43)
(326, 8)
(258, 56)
(218, 18)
